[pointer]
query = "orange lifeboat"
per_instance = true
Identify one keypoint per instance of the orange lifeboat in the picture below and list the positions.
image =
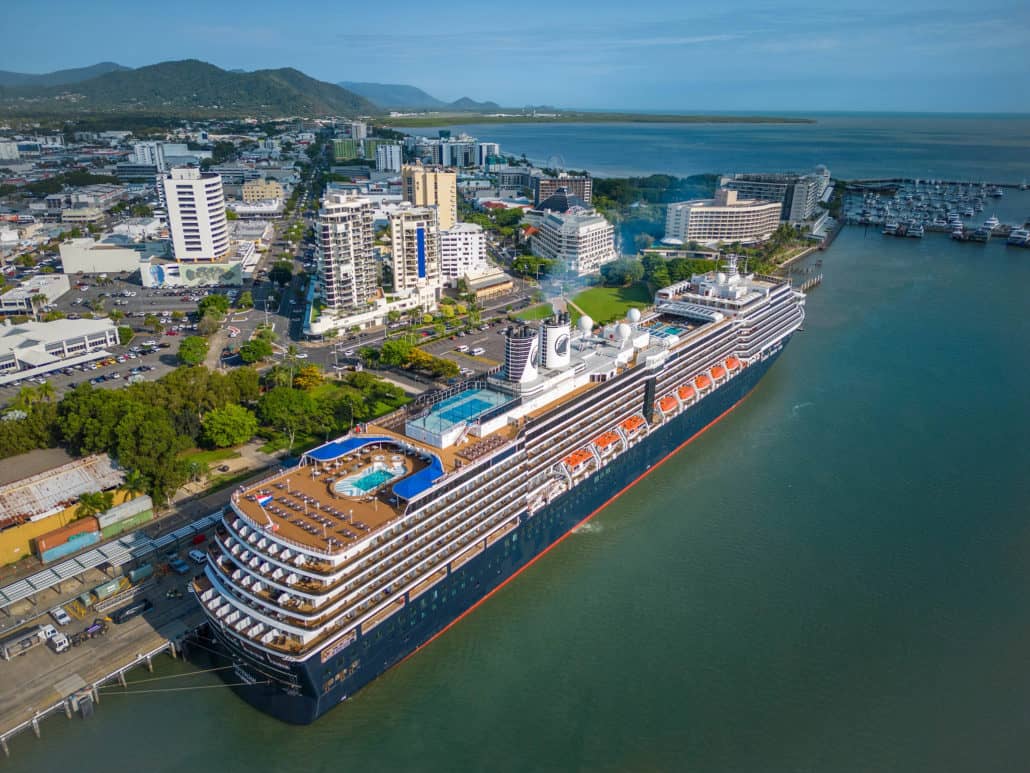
(632, 424)
(702, 382)
(685, 393)
(606, 440)
(578, 458)
(732, 363)
(668, 404)
(718, 372)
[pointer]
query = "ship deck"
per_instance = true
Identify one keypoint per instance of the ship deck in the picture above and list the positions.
(306, 508)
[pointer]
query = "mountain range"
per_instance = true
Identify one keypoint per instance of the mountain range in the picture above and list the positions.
(187, 88)
(60, 77)
(398, 96)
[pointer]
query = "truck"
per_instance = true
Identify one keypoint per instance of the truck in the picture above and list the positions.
(126, 613)
(55, 640)
(21, 642)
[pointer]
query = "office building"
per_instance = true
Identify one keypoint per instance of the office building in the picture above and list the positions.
(35, 348)
(415, 253)
(581, 240)
(358, 130)
(86, 256)
(262, 190)
(9, 151)
(389, 157)
(432, 187)
(462, 251)
(724, 218)
(196, 216)
(149, 154)
(347, 252)
(34, 293)
(798, 195)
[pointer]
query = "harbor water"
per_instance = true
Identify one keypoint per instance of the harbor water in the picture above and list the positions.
(833, 578)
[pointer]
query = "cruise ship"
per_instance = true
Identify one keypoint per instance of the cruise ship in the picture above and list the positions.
(326, 574)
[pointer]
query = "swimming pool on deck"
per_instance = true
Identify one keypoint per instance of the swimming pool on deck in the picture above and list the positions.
(463, 406)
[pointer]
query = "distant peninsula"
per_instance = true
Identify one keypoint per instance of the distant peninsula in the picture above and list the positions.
(415, 120)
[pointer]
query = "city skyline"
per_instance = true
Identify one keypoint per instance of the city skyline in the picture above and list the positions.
(937, 57)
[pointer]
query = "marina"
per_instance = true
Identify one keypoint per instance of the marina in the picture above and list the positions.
(967, 212)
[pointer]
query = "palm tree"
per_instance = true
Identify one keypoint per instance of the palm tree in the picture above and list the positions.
(135, 484)
(46, 391)
(27, 397)
(291, 357)
(116, 315)
(93, 502)
(37, 301)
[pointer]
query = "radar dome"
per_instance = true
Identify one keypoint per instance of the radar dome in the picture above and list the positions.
(585, 324)
(720, 278)
(633, 316)
(624, 331)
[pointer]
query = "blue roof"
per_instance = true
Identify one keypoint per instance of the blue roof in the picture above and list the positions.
(338, 448)
(413, 485)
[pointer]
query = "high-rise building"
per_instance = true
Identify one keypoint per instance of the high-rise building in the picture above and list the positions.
(432, 187)
(150, 154)
(358, 130)
(347, 267)
(389, 157)
(724, 218)
(415, 240)
(462, 251)
(485, 151)
(580, 240)
(797, 194)
(262, 190)
(579, 185)
(196, 215)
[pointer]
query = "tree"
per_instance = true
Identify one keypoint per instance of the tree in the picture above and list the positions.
(152, 323)
(46, 391)
(245, 382)
(228, 426)
(37, 301)
(255, 350)
(622, 272)
(288, 410)
(281, 273)
(308, 377)
(215, 305)
(135, 484)
(193, 350)
(94, 502)
(125, 334)
(116, 315)
(178, 316)
(246, 300)
(395, 353)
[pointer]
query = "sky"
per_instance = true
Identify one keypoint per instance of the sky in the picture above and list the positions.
(675, 55)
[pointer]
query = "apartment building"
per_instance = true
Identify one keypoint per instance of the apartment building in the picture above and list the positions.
(725, 218)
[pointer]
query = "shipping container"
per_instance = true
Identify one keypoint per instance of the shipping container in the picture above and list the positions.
(107, 589)
(129, 523)
(140, 574)
(74, 544)
(58, 537)
(126, 510)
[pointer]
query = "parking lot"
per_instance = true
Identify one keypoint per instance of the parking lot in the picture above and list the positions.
(488, 338)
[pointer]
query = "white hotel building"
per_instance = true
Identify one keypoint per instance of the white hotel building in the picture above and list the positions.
(196, 216)
(580, 240)
(462, 251)
(724, 218)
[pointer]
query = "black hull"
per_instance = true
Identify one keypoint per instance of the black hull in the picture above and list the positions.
(313, 687)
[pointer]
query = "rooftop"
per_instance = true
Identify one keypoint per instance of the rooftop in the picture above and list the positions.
(27, 334)
(54, 489)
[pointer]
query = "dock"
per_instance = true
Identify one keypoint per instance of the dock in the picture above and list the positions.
(69, 683)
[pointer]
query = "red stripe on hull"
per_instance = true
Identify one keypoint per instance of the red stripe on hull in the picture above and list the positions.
(558, 541)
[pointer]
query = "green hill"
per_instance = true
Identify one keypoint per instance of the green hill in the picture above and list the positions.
(59, 77)
(394, 95)
(190, 88)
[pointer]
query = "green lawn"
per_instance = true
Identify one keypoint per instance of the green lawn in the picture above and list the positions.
(604, 304)
(543, 311)
(210, 457)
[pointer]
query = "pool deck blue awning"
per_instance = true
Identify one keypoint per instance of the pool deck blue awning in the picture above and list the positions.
(338, 448)
(413, 485)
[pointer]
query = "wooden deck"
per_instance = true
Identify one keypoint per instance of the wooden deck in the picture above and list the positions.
(306, 509)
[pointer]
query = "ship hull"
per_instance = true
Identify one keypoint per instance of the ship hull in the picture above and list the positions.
(317, 684)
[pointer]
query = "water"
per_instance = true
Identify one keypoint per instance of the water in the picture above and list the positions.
(969, 147)
(373, 480)
(833, 579)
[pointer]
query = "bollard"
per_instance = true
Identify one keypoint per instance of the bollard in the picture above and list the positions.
(150, 664)
(35, 726)
(121, 678)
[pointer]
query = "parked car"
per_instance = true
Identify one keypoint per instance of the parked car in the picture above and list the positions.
(198, 556)
(60, 616)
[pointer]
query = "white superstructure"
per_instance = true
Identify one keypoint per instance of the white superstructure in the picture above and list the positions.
(580, 240)
(724, 218)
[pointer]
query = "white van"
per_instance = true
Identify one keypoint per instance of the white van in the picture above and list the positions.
(479, 351)
(463, 348)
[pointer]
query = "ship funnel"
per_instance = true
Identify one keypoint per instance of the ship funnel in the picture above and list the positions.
(521, 350)
(554, 342)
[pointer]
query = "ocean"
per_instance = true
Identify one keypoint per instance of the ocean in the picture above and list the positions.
(834, 578)
(960, 147)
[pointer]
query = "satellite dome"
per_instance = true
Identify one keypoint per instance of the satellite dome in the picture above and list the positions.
(585, 324)
(633, 316)
(720, 278)
(624, 331)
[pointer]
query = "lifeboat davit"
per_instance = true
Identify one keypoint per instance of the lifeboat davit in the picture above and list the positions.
(685, 393)
(668, 404)
(732, 363)
(702, 382)
(718, 372)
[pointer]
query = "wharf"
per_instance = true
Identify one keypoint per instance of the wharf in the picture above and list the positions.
(40, 683)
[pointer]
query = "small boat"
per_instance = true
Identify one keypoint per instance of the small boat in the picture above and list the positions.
(890, 228)
(982, 234)
(916, 231)
(1020, 237)
(992, 222)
